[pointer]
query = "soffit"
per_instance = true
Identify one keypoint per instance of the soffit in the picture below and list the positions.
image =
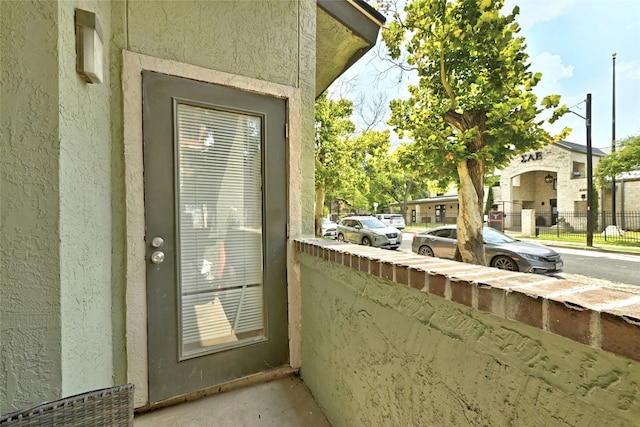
(345, 30)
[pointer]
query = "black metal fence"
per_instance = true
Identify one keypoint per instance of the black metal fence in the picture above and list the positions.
(573, 225)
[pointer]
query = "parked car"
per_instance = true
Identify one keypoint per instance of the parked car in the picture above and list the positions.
(328, 228)
(500, 250)
(393, 220)
(369, 231)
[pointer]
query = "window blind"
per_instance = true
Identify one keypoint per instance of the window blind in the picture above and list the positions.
(219, 205)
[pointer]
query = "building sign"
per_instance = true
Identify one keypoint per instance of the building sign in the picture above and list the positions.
(531, 156)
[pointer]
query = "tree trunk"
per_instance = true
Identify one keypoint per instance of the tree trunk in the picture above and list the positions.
(471, 188)
(470, 196)
(319, 210)
(408, 186)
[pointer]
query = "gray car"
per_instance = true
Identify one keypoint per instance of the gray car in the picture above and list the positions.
(500, 250)
(368, 231)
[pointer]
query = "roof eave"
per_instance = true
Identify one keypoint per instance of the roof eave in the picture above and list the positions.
(345, 31)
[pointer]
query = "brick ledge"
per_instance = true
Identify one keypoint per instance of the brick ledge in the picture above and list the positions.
(604, 318)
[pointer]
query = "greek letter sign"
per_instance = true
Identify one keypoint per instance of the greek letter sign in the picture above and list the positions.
(531, 156)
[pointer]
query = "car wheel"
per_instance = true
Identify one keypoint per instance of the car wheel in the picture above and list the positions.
(504, 263)
(426, 251)
(341, 237)
(366, 241)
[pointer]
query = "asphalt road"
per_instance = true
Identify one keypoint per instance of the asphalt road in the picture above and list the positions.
(582, 264)
(619, 268)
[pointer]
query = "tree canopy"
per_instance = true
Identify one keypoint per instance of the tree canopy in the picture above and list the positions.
(474, 107)
(625, 159)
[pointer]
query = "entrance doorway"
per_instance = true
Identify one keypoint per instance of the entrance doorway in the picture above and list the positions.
(215, 211)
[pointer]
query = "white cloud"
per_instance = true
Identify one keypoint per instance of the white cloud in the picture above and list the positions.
(533, 11)
(553, 70)
(629, 69)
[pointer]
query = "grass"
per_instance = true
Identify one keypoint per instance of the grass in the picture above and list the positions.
(630, 241)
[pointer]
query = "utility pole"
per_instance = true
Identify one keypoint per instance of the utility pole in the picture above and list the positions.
(587, 121)
(589, 176)
(613, 142)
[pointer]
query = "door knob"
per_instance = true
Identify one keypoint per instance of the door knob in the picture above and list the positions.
(157, 257)
(157, 242)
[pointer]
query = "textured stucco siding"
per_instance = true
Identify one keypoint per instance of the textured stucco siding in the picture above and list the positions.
(307, 85)
(376, 353)
(66, 245)
(29, 237)
(252, 38)
(56, 209)
(85, 213)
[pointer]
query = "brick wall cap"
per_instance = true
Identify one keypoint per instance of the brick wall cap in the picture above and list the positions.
(552, 287)
(505, 279)
(627, 310)
(526, 295)
(599, 298)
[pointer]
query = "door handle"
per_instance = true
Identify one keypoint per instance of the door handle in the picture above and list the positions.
(157, 257)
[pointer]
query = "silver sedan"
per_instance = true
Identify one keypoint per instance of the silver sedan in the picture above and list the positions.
(500, 250)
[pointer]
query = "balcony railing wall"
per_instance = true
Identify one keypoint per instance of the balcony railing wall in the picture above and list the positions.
(391, 339)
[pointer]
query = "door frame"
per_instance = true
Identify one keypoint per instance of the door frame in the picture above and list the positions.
(136, 297)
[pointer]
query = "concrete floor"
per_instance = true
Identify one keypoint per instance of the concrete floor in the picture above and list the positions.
(285, 402)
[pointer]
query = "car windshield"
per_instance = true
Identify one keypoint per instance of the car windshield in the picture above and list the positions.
(373, 223)
(494, 236)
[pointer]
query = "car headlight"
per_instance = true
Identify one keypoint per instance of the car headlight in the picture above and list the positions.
(533, 257)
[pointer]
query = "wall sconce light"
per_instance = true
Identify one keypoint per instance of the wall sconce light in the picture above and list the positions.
(548, 179)
(88, 46)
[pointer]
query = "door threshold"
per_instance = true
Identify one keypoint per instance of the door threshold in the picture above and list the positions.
(260, 377)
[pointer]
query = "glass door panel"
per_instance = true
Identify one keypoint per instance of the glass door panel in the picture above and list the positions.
(220, 229)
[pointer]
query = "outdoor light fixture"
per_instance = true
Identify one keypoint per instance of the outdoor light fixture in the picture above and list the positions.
(88, 46)
(548, 179)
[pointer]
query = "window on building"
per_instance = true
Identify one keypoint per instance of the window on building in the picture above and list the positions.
(578, 170)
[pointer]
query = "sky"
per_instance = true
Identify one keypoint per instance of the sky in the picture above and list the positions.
(571, 42)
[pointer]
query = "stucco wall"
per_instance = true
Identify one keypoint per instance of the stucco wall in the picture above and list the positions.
(85, 213)
(65, 240)
(255, 39)
(379, 353)
(30, 303)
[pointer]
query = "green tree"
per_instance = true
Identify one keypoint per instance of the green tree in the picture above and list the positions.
(625, 159)
(394, 176)
(474, 108)
(340, 157)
